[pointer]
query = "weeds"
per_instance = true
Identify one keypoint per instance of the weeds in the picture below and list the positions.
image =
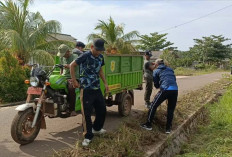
(180, 71)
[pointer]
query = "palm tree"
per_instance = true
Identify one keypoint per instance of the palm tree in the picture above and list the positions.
(114, 37)
(24, 32)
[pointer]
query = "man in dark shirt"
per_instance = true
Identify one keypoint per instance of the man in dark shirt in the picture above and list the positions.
(165, 79)
(79, 49)
(148, 79)
(91, 63)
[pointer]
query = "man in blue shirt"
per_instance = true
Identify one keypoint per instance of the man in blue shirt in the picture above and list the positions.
(91, 63)
(165, 79)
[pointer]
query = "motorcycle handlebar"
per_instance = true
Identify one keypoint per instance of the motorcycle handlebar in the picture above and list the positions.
(59, 66)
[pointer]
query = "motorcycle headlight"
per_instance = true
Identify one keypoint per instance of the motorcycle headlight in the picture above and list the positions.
(34, 81)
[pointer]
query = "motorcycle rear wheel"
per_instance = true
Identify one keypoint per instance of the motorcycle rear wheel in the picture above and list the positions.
(21, 130)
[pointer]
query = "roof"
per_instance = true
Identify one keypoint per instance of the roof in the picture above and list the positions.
(59, 36)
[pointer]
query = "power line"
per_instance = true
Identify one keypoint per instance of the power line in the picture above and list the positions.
(173, 27)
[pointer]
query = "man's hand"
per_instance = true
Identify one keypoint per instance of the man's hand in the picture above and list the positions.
(67, 66)
(75, 84)
(107, 88)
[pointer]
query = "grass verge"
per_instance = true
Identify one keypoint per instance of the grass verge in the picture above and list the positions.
(132, 141)
(192, 72)
(215, 138)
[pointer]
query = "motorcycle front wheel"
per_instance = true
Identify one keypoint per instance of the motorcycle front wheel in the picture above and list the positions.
(21, 130)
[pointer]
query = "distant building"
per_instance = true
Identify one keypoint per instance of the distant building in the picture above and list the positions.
(55, 37)
(61, 37)
(156, 55)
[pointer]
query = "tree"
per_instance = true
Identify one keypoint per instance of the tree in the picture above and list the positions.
(12, 86)
(24, 32)
(211, 49)
(155, 42)
(169, 58)
(114, 37)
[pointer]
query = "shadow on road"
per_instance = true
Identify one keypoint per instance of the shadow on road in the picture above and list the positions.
(65, 139)
(59, 140)
(51, 141)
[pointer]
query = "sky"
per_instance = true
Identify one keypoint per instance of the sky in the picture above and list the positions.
(79, 17)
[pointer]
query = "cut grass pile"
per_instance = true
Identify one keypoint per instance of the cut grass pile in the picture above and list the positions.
(213, 139)
(132, 141)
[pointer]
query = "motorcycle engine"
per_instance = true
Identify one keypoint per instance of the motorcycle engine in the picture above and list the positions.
(61, 101)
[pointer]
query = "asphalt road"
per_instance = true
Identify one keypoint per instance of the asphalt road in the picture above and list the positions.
(62, 133)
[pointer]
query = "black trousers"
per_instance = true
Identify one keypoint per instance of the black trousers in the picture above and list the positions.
(171, 96)
(92, 99)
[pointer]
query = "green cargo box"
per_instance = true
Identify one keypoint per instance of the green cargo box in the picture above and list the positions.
(123, 72)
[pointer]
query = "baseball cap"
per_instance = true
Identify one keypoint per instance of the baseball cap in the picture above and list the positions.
(99, 44)
(80, 44)
(148, 53)
(62, 49)
(159, 61)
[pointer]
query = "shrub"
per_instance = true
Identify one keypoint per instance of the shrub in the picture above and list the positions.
(181, 71)
(12, 76)
(200, 66)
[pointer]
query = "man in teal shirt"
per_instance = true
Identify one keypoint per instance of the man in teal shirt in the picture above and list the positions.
(66, 57)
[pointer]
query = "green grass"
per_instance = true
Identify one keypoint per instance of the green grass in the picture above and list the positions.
(215, 138)
(180, 71)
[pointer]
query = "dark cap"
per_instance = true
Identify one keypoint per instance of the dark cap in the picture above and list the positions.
(99, 44)
(80, 44)
(148, 53)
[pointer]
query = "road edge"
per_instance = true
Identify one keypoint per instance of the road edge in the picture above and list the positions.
(12, 104)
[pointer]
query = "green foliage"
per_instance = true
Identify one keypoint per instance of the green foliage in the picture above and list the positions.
(175, 58)
(169, 57)
(12, 87)
(185, 59)
(181, 71)
(185, 71)
(215, 139)
(220, 114)
(211, 49)
(24, 32)
(155, 42)
(200, 66)
(114, 37)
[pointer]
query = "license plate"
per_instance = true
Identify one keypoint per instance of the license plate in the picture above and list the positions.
(34, 90)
